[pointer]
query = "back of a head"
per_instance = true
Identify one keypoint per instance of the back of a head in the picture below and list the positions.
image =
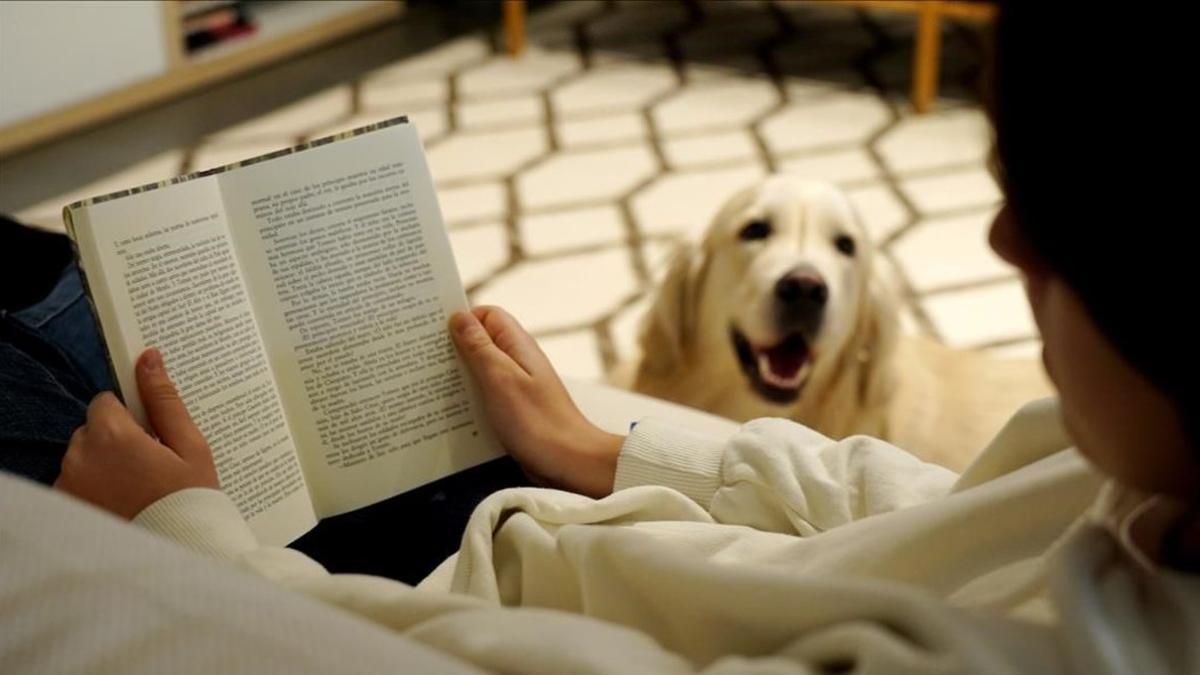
(1088, 105)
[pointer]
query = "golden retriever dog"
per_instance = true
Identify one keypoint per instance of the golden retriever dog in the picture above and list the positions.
(783, 310)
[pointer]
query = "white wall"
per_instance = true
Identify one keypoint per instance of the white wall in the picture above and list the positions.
(54, 53)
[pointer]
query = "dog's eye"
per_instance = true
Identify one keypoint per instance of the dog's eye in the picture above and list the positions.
(845, 244)
(755, 229)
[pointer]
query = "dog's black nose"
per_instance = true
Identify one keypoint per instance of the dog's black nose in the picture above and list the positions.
(802, 290)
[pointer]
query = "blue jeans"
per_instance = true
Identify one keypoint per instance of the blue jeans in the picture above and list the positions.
(52, 363)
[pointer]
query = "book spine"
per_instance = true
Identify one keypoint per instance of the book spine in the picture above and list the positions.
(213, 20)
(69, 222)
(216, 26)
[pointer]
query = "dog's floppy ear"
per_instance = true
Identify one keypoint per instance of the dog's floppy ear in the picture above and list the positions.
(672, 321)
(669, 324)
(876, 334)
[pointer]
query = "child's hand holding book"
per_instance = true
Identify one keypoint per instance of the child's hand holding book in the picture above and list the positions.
(116, 465)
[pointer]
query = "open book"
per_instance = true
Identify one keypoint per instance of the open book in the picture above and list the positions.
(300, 301)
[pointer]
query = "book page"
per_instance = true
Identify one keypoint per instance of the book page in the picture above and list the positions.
(354, 281)
(162, 272)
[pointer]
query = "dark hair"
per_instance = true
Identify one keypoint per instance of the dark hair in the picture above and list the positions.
(1090, 126)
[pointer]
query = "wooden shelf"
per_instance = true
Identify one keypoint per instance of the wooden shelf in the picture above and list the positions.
(283, 29)
(276, 20)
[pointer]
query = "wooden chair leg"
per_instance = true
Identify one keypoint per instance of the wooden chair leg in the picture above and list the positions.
(514, 26)
(927, 57)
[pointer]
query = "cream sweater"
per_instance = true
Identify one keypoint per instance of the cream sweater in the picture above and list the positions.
(773, 551)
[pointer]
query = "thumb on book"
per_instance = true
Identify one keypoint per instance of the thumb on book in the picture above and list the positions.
(165, 410)
(474, 343)
(490, 337)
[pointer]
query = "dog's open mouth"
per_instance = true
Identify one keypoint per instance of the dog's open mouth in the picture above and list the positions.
(776, 372)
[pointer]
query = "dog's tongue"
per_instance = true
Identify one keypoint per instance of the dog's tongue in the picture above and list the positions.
(786, 362)
(784, 365)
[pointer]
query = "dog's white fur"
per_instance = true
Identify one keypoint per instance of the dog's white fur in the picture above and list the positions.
(941, 404)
